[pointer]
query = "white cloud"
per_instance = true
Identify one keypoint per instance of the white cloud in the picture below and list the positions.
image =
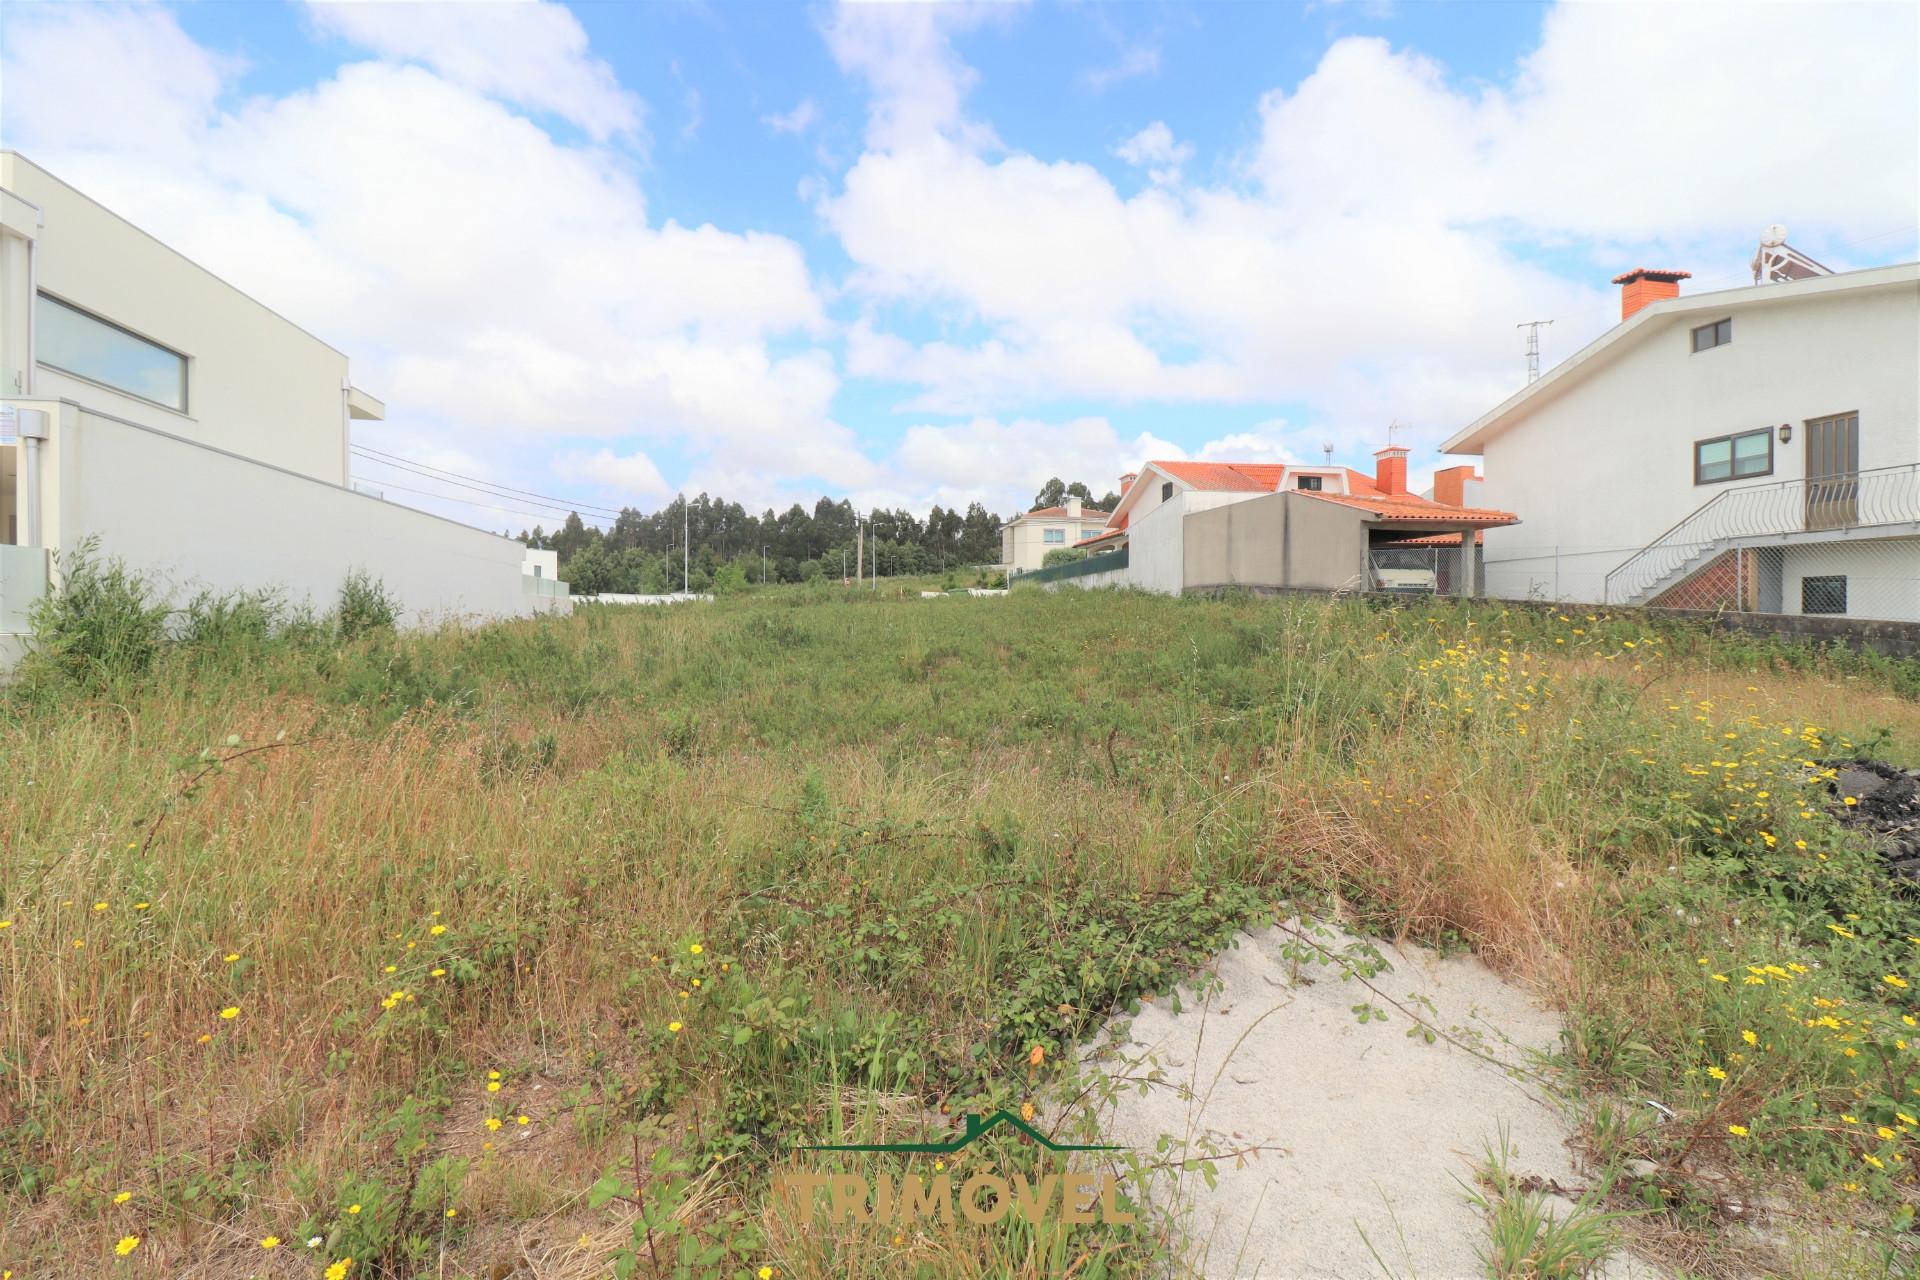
(498, 313)
(1003, 463)
(1134, 61)
(631, 478)
(528, 52)
(902, 51)
(1378, 245)
(798, 120)
(1155, 150)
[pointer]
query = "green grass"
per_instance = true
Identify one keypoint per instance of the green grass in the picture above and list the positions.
(914, 842)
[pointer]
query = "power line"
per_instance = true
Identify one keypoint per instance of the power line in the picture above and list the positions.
(596, 521)
(467, 481)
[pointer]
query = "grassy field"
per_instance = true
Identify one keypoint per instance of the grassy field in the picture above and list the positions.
(536, 949)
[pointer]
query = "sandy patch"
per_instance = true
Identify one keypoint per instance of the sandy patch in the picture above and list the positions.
(1368, 1133)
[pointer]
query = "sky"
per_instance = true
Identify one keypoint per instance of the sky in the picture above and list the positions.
(936, 253)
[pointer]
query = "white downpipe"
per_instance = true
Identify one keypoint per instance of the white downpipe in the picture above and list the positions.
(33, 308)
(33, 430)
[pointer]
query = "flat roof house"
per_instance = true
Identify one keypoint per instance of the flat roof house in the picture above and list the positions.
(193, 432)
(1195, 526)
(1754, 449)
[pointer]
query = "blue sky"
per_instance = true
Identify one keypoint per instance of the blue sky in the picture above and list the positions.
(916, 254)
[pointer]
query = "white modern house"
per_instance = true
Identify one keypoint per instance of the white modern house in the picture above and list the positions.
(1202, 526)
(1754, 449)
(193, 433)
(1026, 539)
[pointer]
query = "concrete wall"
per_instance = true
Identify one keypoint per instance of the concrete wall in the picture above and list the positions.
(193, 517)
(1275, 540)
(1605, 466)
(257, 384)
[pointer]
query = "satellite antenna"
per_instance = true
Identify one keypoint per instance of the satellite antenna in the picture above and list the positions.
(1774, 236)
(1327, 449)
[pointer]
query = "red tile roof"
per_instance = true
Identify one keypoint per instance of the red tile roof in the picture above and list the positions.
(1060, 513)
(1409, 506)
(1439, 540)
(1101, 536)
(1362, 492)
(1651, 273)
(1226, 477)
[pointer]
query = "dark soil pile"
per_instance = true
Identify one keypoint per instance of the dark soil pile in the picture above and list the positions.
(1888, 809)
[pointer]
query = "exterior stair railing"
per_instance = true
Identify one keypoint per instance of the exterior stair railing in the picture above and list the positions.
(1808, 508)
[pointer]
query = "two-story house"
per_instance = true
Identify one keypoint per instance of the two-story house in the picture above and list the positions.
(193, 433)
(1026, 539)
(1755, 448)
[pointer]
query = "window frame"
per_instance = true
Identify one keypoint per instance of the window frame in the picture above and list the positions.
(1733, 457)
(1310, 484)
(1713, 328)
(1825, 582)
(186, 361)
(1166, 491)
(1054, 535)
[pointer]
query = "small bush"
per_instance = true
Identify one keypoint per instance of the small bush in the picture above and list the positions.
(1063, 555)
(365, 606)
(101, 624)
(226, 621)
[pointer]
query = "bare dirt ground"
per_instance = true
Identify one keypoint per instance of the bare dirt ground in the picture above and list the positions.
(1369, 1137)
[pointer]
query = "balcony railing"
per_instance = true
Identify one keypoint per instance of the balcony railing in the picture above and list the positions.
(1787, 510)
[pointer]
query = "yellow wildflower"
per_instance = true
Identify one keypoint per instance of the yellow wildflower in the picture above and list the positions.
(127, 1245)
(1737, 1130)
(270, 1242)
(231, 1012)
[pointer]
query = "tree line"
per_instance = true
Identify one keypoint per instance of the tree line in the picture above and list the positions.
(731, 548)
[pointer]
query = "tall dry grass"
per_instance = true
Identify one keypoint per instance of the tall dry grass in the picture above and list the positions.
(923, 838)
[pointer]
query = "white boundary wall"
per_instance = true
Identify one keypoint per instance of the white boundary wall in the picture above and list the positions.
(192, 517)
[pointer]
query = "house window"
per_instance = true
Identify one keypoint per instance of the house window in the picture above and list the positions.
(77, 342)
(1738, 457)
(1052, 536)
(1166, 491)
(1717, 334)
(1825, 593)
(1312, 484)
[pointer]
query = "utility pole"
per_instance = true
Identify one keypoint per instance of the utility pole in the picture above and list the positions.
(1533, 347)
(859, 551)
(763, 566)
(686, 549)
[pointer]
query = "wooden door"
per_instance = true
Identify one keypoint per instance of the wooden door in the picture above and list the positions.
(1833, 471)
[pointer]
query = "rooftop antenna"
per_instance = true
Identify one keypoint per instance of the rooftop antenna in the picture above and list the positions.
(1392, 427)
(1533, 347)
(1327, 449)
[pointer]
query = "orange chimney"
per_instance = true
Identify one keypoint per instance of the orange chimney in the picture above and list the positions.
(1390, 471)
(1126, 482)
(1643, 285)
(1450, 485)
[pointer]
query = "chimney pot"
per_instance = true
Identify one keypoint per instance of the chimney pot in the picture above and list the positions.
(1390, 470)
(1073, 508)
(1126, 482)
(1643, 286)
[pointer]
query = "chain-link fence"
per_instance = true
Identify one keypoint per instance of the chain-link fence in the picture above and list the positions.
(1876, 578)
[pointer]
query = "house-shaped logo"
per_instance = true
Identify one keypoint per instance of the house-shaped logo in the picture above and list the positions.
(976, 1127)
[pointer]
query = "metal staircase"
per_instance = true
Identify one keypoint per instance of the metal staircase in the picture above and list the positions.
(1880, 503)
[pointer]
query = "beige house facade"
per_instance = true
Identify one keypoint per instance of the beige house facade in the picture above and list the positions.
(1026, 539)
